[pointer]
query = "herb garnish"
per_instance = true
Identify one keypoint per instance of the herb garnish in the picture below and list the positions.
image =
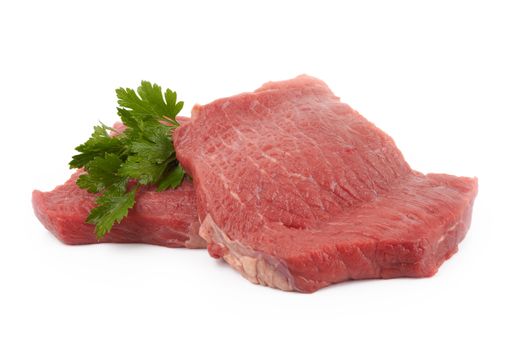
(143, 154)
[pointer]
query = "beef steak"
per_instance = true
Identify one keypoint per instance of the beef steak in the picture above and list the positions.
(297, 191)
(167, 218)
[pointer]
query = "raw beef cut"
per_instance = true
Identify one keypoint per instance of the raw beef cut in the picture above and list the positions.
(298, 191)
(167, 218)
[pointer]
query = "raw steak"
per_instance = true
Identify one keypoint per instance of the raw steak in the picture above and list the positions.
(297, 191)
(167, 218)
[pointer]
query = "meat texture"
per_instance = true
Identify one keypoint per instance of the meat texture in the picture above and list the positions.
(167, 218)
(298, 191)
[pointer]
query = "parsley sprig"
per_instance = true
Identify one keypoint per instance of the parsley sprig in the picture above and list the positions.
(116, 166)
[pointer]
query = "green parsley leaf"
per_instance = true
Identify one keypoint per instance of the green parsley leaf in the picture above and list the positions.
(99, 144)
(156, 144)
(172, 180)
(142, 169)
(101, 173)
(142, 154)
(112, 206)
(150, 101)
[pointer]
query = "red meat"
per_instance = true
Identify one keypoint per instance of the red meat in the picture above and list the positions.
(167, 218)
(298, 191)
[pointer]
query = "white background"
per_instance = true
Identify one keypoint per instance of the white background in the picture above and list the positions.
(446, 80)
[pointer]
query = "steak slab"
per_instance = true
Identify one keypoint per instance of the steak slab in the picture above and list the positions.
(167, 218)
(298, 191)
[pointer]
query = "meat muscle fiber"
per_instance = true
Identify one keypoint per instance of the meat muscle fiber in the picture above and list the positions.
(298, 191)
(167, 218)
